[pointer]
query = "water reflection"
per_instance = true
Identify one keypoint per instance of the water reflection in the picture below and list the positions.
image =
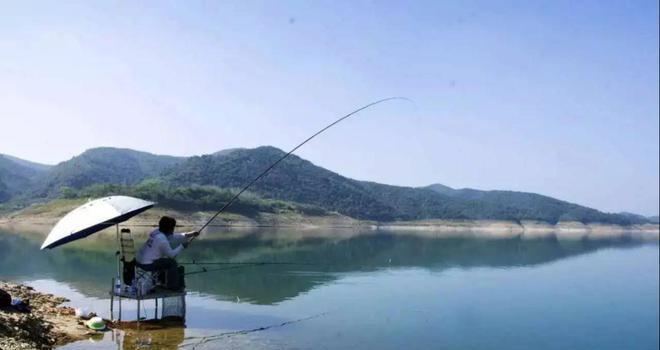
(165, 338)
(89, 266)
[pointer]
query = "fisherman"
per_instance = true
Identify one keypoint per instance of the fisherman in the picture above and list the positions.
(157, 253)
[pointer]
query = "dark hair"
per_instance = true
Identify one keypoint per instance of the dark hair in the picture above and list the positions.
(166, 224)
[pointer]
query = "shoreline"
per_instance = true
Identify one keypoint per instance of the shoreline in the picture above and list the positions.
(42, 217)
(46, 326)
(435, 227)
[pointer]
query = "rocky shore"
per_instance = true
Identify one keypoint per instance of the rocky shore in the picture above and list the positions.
(47, 324)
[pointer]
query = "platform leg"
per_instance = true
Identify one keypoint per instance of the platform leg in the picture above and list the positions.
(183, 302)
(112, 300)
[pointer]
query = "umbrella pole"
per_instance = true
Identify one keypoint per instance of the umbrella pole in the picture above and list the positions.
(115, 280)
(118, 283)
(118, 252)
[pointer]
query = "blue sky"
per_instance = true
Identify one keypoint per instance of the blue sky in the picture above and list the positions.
(559, 97)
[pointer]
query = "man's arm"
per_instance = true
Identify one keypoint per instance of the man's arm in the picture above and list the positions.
(181, 238)
(166, 250)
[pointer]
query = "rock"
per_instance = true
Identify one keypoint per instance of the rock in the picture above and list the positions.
(5, 298)
(46, 326)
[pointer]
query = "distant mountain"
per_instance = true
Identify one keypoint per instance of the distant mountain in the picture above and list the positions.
(27, 164)
(651, 219)
(301, 181)
(104, 165)
(532, 206)
(18, 175)
(294, 180)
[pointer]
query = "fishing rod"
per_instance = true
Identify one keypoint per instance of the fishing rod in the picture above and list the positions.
(235, 197)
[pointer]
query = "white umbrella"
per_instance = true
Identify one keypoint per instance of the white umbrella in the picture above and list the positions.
(94, 216)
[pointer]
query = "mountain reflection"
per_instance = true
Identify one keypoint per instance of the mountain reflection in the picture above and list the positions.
(89, 267)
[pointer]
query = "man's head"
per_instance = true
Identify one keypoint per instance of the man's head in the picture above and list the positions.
(166, 225)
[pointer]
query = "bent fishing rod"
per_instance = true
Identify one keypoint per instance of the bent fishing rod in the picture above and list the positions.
(235, 197)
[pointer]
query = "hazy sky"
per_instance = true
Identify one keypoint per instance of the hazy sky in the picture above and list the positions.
(555, 97)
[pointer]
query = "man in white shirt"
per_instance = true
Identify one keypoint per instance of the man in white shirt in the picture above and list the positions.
(157, 253)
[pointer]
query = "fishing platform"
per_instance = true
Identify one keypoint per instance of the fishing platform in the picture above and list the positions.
(172, 303)
(142, 287)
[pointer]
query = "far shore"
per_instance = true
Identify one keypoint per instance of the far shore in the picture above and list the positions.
(42, 219)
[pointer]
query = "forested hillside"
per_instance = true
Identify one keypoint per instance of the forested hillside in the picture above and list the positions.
(532, 206)
(103, 166)
(206, 182)
(18, 176)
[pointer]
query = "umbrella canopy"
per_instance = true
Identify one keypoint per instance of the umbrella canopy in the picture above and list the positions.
(94, 216)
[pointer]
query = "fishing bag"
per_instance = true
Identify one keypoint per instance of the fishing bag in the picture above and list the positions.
(128, 274)
(173, 278)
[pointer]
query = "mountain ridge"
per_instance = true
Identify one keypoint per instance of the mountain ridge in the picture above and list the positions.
(295, 180)
(103, 165)
(17, 174)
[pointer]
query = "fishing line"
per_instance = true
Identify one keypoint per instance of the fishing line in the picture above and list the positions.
(245, 263)
(203, 340)
(290, 152)
(205, 270)
(238, 265)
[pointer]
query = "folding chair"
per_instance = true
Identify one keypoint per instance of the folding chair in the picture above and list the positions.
(131, 268)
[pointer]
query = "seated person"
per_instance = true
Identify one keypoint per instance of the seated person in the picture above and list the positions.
(157, 253)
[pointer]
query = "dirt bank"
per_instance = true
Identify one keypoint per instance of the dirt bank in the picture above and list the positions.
(48, 214)
(524, 229)
(41, 218)
(46, 326)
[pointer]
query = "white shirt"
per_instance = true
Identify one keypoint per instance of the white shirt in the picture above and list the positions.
(159, 246)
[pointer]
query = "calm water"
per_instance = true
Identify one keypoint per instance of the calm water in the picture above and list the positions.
(377, 291)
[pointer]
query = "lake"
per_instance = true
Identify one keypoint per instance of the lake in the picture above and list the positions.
(371, 290)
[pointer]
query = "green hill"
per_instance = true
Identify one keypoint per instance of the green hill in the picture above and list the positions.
(17, 176)
(294, 180)
(206, 182)
(103, 165)
(532, 206)
(300, 181)
(27, 164)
